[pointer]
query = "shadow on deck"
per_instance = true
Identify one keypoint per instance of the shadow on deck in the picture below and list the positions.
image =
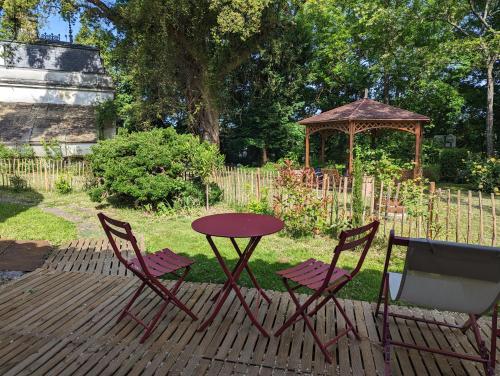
(60, 319)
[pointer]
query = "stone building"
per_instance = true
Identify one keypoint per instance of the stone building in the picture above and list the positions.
(48, 91)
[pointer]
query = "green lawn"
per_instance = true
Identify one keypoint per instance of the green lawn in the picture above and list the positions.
(31, 223)
(274, 253)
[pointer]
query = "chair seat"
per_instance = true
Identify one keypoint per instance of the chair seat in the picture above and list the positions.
(312, 273)
(161, 262)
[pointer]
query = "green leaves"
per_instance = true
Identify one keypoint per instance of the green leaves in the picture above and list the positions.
(149, 168)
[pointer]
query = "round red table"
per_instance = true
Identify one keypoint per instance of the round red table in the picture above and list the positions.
(233, 226)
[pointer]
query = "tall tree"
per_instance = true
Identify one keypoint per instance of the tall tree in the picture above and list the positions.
(179, 53)
(476, 23)
(181, 50)
(267, 95)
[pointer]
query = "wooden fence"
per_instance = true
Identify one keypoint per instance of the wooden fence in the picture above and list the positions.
(42, 174)
(462, 216)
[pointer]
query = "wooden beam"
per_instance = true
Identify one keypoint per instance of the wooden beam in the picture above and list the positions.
(307, 147)
(418, 149)
(351, 148)
(322, 148)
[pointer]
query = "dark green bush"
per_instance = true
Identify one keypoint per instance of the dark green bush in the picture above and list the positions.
(153, 167)
(452, 163)
(432, 172)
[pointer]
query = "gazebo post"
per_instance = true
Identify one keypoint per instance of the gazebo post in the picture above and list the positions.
(418, 148)
(307, 147)
(322, 148)
(351, 147)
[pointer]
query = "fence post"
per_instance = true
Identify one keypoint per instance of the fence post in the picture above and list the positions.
(494, 215)
(430, 218)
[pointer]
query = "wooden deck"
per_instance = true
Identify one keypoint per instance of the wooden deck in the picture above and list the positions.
(60, 319)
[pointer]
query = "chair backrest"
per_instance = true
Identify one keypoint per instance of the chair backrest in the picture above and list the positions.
(450, 276)
(118, 229)
(360, 237)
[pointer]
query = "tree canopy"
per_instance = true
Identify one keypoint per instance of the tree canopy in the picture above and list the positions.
(241, 73)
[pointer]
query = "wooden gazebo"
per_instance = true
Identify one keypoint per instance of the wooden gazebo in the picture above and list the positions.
(360, 116)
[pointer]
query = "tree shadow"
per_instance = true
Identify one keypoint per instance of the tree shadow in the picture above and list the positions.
(365, 286)
(15, 201)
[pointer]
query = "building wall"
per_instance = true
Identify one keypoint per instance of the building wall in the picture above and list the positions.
(49, 91)
(16, 93)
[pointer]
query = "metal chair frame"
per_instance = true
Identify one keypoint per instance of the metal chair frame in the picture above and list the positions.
(114, 228)
(486, 356)
(328, 287)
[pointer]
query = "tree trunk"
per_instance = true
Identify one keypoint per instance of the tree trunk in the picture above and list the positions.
(490, 136)
(202, 109)
(264, 155)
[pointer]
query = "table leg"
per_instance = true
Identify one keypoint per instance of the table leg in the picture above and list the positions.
(250, 273)
(247, 268)
(232, 277)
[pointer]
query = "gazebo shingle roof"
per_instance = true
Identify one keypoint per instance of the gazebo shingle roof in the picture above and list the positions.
(364, 109)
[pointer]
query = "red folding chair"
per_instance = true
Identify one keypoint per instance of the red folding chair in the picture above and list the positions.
(326, 280)
(148, 267)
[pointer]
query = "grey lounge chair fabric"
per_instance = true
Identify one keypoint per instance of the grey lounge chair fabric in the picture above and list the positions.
(448, 276)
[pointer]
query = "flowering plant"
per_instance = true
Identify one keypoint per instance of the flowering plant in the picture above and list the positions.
(484, 174)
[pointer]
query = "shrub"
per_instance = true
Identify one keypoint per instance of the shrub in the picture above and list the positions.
(377, 163)
(153, 167)
(260, 206)
(6, 152)
(63, 185)
(18, 183)
(297, 203)
(452, 161)
(432, 172)
(52, 149)
(411, 196)
(484, 174)
(23, 151)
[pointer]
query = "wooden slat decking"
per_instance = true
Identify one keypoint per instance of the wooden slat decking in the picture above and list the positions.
(60, 320)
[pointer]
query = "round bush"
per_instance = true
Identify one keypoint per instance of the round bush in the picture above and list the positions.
(452, 163)
(153, 167)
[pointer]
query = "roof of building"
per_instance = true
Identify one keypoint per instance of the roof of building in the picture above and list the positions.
(364, 109)
(52, 56)
(22, 123)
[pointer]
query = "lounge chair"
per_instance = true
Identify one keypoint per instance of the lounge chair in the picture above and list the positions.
(445, 276)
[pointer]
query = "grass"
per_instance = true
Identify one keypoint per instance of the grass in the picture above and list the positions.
(274, 253)
(31, 223)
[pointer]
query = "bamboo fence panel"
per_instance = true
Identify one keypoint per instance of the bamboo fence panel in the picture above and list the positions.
(442, 214)
(42, 174)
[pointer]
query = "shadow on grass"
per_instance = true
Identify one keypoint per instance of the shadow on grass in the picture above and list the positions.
(365, 286)
(14, 202)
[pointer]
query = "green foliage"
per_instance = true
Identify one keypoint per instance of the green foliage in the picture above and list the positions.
(260, 205)
(357, 194)
(432, 172)
(411, 196)
(52, 149)
(484, 174)
(153, 167)
(63, 185)
(452, 161)
(297, 203)
(23, 151)
(6, 152)
(17, 183)
(106, 114)
(377, 163)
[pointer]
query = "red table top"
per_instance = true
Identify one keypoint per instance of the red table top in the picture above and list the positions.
(237, 225)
